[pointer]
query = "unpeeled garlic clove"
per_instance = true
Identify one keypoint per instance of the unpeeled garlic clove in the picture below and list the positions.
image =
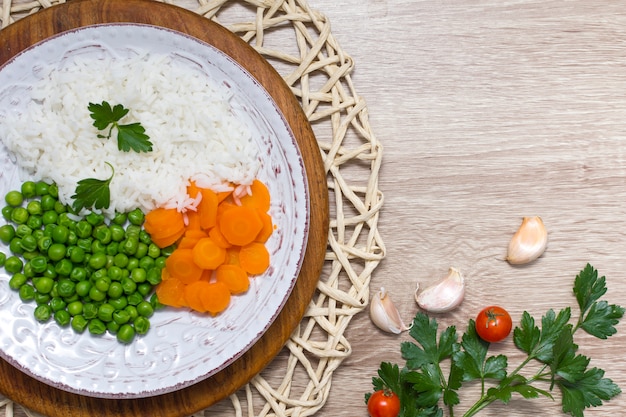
(529, 242)
(384, 313)
(444, 296)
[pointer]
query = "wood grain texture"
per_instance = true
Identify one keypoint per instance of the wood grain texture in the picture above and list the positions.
(489, 111)
(53, 402)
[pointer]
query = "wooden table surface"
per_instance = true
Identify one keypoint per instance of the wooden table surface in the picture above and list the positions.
(490, 111)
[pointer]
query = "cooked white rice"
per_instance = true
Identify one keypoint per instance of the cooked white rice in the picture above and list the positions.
(188, 117)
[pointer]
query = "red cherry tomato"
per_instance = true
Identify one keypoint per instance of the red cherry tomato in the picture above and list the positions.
(383, 403)
(493, 324)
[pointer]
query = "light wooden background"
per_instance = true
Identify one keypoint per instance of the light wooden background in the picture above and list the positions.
(489, 111)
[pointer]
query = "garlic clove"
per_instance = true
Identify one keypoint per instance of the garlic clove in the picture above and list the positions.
(444, 296)
(529, 242)
(384, 313)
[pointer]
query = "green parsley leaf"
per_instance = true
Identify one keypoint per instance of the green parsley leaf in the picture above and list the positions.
(129, 136)
(93, 193)
(473, 358)
(601, 319)
(588, 391)
(424, 331)
(588, 288)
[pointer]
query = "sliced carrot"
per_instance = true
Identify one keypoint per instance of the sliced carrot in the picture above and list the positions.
(193, 295)
(208, 209)
(165, 226)
(193, 220)
(180, 264)
(219, 239)
(215, 297)
(223, 195)
(192, 189)
(254, 258)
(259, 196)
(166, 241)
(267, 229)
(207, 254)
(235, 278)
(240, 225)
(169, 292)
(232, 256)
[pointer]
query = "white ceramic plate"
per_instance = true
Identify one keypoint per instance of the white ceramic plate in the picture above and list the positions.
(182, 347)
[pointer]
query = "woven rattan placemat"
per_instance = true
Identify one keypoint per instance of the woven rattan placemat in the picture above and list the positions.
(298, 41)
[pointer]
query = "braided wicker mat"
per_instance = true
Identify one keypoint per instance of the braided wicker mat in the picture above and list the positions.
(298, 41)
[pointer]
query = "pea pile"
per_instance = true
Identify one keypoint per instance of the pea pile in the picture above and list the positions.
(88, 273)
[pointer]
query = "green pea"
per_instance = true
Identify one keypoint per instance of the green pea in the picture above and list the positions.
(64, 267)
(83, 287)
(102, 233)
(154, 251)
(84, 244)
(75, 308)
(133, 231)
(43, 312)
(120, 260)
(57, 303)
(29, 243)
(59, 207)
(90, 310)
(50, 272)
(142, 250)
(34, 208)
(119, 219)
(56, 251)
(96, 295)
(141, 325)
(154, 301)
(126, 333)
(13, 264)
(7, 233)
(114, 273)
(102, 284)
(47, 203)
(14, 198)
(7, 212)
(129, 246)
(72, 238)
(3, 258)
(138, 275)
(42, 298)
(94, 219)
(117, 232)
(97, 260)
(136, 217)
(42, 188)
(62, 317)
(43, 284)
(83, 229)
(53, 190)
(27, 292)
(15, 246)
(98, 247)
(49, 217)
(145, 309)
(39, 264)
(28, 189)
(121, 317)
(17, 280)
(79, 323)
(144, 288)
(129, 286)
(43, 243)
(77, 254)
(119, 303)
(132, 311)
(19, 215)
(112, 248)
(105, 312)
(66, 287)
(115, 290)
(96, 326)
(132, 263)
(153, 276)
(34, 221)
(60, 234)
(113, 327)
(135, 299)
(78, 274)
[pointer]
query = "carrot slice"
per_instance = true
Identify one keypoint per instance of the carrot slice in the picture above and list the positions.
(232, 255)
(215, 297)
(240, 225)
(254, 258)
(207, 254)
(234, 277)
(219, 239)
(193, 220)
(165, 241)
(208, 209)
(193, 295)
(165, 226)
(267, 229)
(259, 196)
(180, 264)
(192, 189)
(169, 292)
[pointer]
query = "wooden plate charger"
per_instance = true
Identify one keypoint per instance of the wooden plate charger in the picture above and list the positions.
(52, 401)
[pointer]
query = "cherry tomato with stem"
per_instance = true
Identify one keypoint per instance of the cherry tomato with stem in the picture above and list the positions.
(383, 403)
(493, 324)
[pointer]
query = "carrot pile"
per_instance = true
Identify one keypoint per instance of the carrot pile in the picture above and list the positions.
(218, 247)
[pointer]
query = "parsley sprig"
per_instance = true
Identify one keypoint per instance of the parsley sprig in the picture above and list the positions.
(129, 136)
(93, 193)
(423, 386)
